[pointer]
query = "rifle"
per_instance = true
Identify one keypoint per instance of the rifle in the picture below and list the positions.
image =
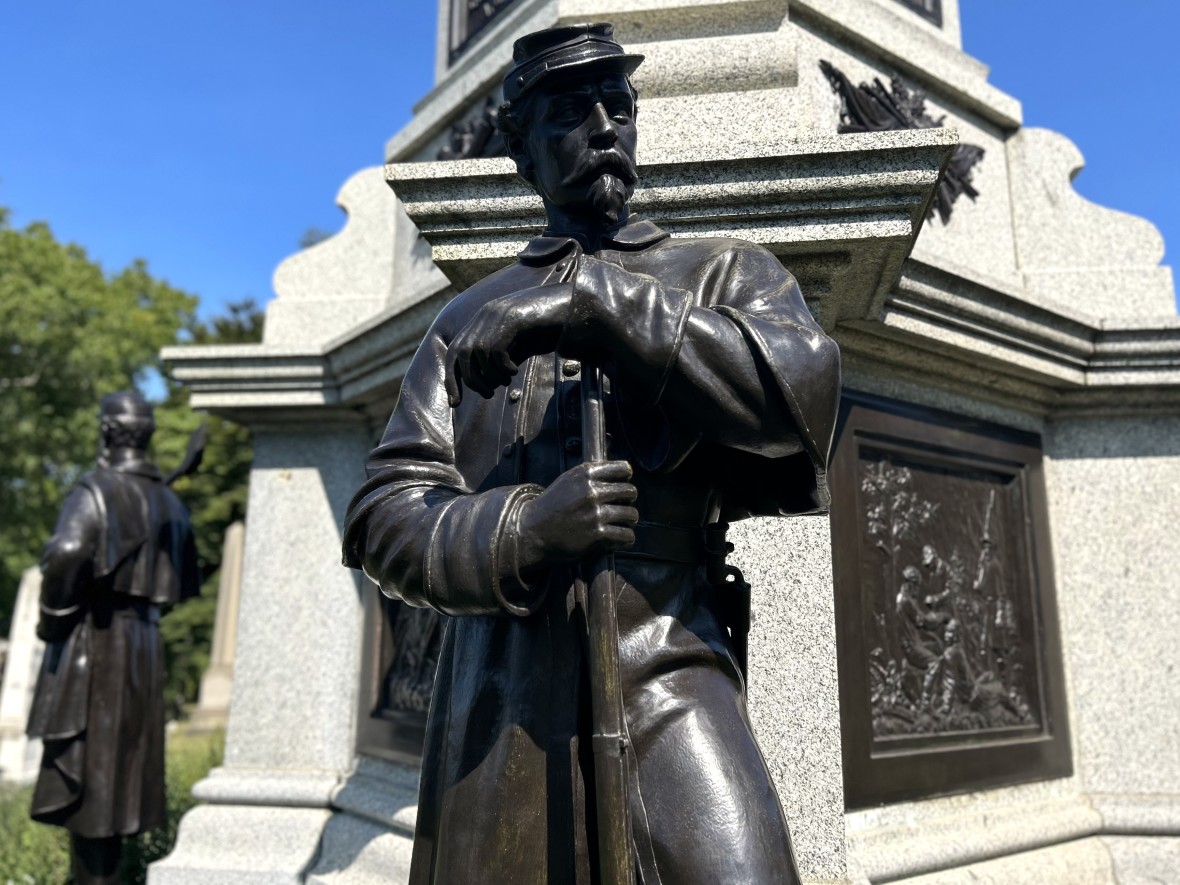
(193, 456)
(616, 853)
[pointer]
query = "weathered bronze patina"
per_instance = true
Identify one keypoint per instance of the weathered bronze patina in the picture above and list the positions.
(486, 501)
(122, 547)
(949, 650)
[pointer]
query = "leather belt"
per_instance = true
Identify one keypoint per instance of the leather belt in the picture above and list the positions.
(667, 543)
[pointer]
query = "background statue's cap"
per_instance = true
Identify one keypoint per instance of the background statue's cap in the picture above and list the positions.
(562, 50)
(126, 402)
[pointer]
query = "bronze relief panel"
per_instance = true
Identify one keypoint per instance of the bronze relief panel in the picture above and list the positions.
(931, 10)
(949, 656)
(469, 18)
(400, 661)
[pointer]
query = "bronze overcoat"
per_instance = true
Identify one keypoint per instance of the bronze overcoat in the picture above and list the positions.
(722, 393)
(123, 546)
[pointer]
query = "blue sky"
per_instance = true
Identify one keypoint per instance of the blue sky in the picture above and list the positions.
(207, 137)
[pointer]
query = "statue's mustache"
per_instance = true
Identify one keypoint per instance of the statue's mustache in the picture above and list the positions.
(591, 164)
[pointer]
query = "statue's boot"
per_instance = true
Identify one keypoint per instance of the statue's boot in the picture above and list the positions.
(96, 861)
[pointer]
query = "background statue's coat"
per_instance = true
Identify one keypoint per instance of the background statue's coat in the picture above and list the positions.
(122, 546)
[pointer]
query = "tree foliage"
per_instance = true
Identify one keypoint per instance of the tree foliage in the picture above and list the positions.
(69, 333)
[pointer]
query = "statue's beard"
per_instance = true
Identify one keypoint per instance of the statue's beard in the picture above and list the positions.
(609, 178)
(609, 195)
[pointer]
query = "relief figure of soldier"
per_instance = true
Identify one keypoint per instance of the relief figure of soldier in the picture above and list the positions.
(719, 398)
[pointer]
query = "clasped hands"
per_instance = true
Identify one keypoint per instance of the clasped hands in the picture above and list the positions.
(587, 510)
(488, 351)
(571, 312)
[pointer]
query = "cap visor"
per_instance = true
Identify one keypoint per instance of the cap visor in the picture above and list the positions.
(625, 64)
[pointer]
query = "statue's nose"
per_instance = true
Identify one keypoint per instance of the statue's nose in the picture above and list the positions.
(602, 134)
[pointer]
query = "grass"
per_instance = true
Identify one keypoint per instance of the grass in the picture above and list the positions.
(34, 854)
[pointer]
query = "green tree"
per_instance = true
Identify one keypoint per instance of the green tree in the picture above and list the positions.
(69, 333)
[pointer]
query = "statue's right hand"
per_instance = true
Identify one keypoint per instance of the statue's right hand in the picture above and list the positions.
(588, 510)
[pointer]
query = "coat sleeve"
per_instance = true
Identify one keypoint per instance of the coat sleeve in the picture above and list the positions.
(741, 366)
(67, 565)
(415, 526)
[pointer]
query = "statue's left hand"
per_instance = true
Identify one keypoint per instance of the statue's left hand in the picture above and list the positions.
(504, 332)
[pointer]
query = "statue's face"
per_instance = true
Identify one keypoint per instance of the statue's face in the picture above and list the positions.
(579, 146)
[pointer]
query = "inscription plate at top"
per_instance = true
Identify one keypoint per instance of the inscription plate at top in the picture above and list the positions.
(931, 10)
(469, 18)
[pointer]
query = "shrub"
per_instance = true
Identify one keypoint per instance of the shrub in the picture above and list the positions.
(34, 854)
(30, 853)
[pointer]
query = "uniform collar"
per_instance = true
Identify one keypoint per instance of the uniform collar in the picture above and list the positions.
(139, 466)
(638, 233)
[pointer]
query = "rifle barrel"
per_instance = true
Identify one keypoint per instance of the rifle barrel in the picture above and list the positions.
(615, 851)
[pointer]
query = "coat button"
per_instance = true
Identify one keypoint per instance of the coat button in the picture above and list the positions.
(514, 395)
(569, 368)
(573, 445)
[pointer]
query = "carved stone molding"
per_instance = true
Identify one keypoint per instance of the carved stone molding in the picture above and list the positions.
(327, 289)
(861, 198)
(1075, 252)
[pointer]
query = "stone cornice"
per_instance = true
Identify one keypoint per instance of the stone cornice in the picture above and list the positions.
(990, 344)
(353, 378)
(845, 210)
(841, 212)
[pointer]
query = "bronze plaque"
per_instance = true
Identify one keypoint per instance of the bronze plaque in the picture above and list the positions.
(931, 10)
(469, 18)
(401, 657)
(950, 664)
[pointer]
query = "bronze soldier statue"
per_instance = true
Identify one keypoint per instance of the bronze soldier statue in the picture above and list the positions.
(123, 546)
(720, 398)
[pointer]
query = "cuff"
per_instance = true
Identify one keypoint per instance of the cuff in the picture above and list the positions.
(517, 595)
(56, 624)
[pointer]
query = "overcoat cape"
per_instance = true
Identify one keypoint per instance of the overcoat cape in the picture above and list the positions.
(722, 393)
(123, 544)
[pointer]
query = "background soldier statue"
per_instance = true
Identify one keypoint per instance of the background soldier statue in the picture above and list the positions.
(720, 400)
(122, 547)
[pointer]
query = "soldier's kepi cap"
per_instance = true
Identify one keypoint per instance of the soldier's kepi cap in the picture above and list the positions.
(126, 402)
(562, 50)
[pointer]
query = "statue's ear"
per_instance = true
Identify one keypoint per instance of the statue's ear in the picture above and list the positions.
(514, 145)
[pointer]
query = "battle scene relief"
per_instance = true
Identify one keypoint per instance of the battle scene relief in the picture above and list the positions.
(417, 642)
(950, 638)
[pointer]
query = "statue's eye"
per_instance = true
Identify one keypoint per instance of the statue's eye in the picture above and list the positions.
(568, 114)
(621, 110)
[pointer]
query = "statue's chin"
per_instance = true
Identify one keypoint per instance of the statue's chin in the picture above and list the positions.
(609, 196)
